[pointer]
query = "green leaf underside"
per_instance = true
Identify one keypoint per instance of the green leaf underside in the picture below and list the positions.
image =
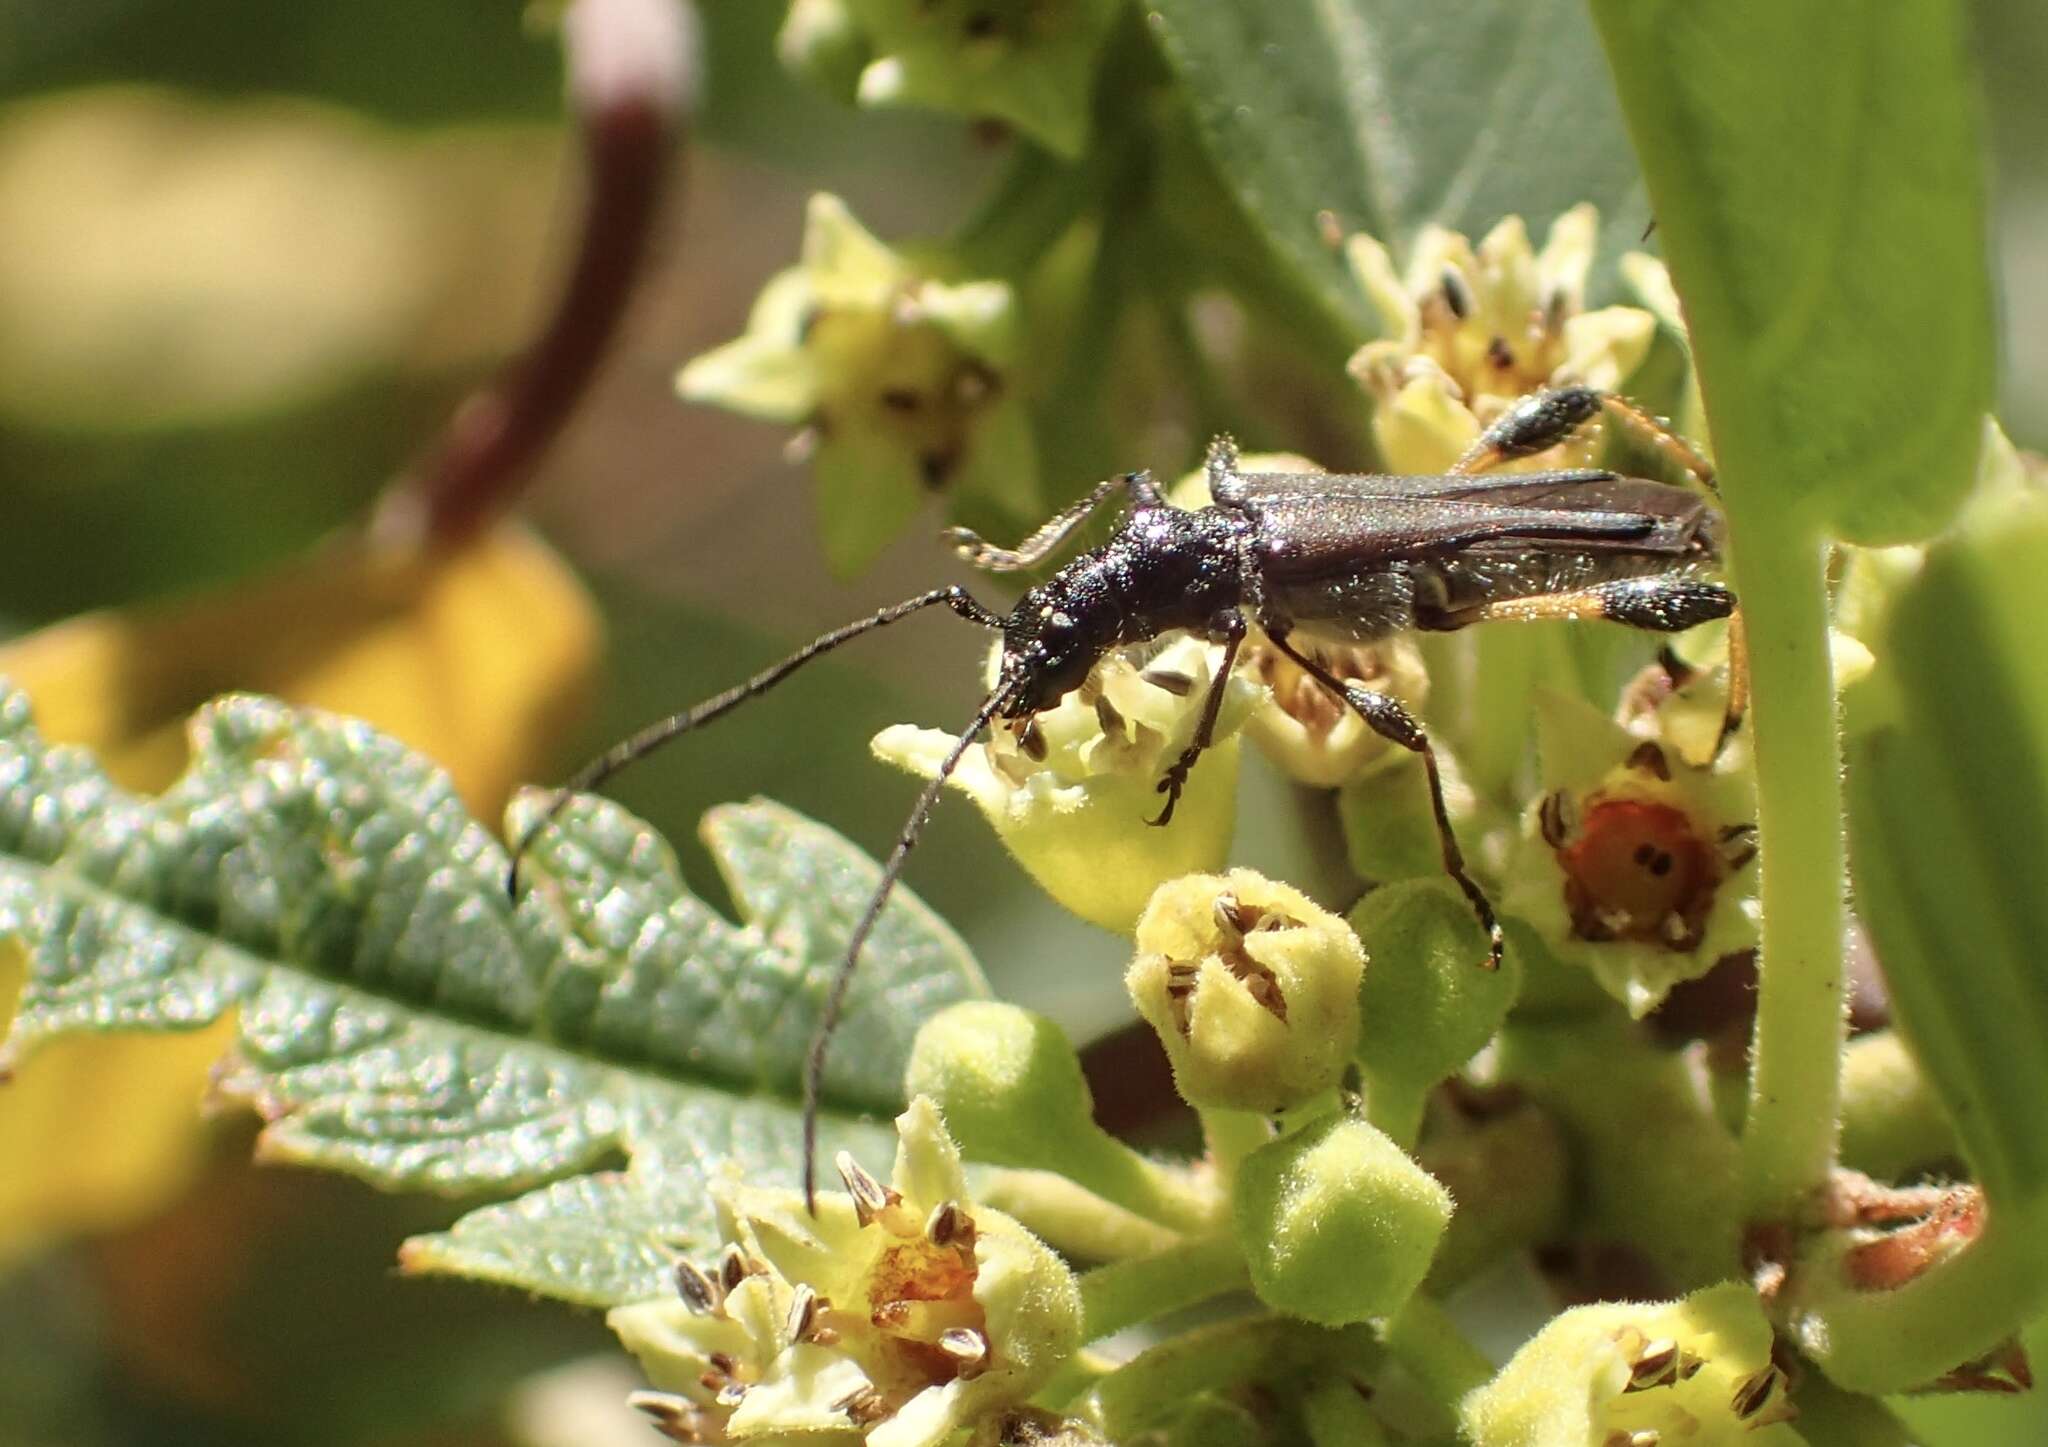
(1820, 196)
(1949, 834)
(1384, 116)
(402, 1021)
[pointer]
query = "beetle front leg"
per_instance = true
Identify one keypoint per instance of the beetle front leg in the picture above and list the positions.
(1386, 716)
(1232, 626)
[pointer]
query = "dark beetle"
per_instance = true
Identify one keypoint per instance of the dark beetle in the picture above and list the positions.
(1346, 556)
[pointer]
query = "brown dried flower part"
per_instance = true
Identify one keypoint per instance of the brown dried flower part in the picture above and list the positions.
(1308, 732)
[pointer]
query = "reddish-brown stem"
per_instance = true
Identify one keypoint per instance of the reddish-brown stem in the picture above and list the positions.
(630, 84)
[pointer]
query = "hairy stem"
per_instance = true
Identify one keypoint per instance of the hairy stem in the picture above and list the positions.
(630, 83)
(1125, 1293)
(1788, 1144)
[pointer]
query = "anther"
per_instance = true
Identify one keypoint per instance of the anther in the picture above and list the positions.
(948, 1224)
(1170, 680)
(966, 1346)
(699, 1291)
(870, 1196)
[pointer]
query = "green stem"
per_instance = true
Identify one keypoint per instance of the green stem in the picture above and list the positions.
(1125, 1293)
(1231, 1135)
(1788, 1144)
(1955, 1311)
(1395, 1107)
(1423, 1338)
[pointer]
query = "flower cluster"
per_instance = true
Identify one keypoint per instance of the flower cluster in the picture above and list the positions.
(896, 1316)
(1471, 330)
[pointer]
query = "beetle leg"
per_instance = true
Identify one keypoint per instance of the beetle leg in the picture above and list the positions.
(1232, 626)
(1541, 420)
(1139, 487)
(1659, 605)
(1386, 716)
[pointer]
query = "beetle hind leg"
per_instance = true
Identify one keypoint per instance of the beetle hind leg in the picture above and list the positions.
(1542, 420)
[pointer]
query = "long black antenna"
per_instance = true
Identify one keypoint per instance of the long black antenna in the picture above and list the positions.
(892, 870)
(639, 745)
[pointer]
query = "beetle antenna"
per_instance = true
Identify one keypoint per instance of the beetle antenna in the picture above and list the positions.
(892, 870)
(639, 745)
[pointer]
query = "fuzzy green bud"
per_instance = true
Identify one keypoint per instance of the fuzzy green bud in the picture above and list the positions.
(1428, 1010)
(1007, 1080)
(1011, 1088)
(1336, 1223)
(1252, 987)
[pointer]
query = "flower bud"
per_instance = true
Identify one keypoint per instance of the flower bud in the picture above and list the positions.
(1008, 1081)
(1012, 1091)
(1070, 791)
(1251, 986)
(897, 1315)
(1426, 1009)
(1696, 1371)
(1336, 1223)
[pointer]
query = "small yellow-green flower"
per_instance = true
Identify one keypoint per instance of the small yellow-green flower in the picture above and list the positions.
(896, 1316)
(1641, 1374)
(899, 382)
(1070, 791)
(1469, 330)
(1636, 863)
(1030, 63)
(1252, 988)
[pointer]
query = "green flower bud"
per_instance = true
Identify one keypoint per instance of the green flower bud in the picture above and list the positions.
(898, 380)
(1070, 790)
(1012, 1091)
(1336, 1223)
(1251, 986)
(1390, 830)
(1426, 1009)
(896, 1316)
(1696, 1371)
(1028, 62)
(1008, 1081)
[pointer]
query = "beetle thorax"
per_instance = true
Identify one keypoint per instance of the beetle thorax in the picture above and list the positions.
(1165, 568)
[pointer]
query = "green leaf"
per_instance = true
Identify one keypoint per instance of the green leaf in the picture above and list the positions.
(1819, 195)
(402, 1021)
(1388, 116)
(1948, 809)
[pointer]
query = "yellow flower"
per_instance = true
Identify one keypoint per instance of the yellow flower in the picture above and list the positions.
(899, 382)
(1636, 863)
(1070, 790)
(1641, 1374)
(1468, 331)
(896, 1316)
